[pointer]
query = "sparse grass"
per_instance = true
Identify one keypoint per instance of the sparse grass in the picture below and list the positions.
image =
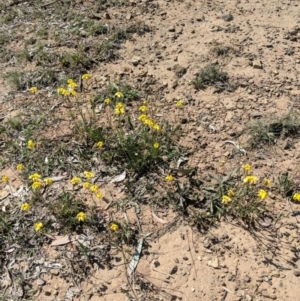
(268, 132)
(210, 76)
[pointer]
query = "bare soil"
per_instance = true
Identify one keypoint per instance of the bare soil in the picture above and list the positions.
(257, 44)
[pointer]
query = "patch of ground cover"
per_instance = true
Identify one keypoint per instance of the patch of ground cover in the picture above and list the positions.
(56, 51)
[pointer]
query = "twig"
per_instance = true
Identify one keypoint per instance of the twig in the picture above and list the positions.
(187, 235)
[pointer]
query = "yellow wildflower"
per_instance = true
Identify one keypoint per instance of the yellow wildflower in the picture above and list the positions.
(262, 194)
(156, 127)
(143, 108)
(267, 182)
(99, 195)
(179, 103)
(226, 199)
(296, 197)
(169, 178)
(86, 185)
(20, 167)
(119, 109)
(30, 144)
(149, 122)
(86, 76)
(81, 216)
(250, 179)
(107, 101)
(100, 144)
(75, 180)
(60, 90)
(156, 145)
(114, 227)
(38, 226)
(35, 177)
(230, 193)
(145, 102)
(48, 181)
(5, 179)
(247, 167)
(143, 117)
(36, 185)
(94, 188)
(89, 174)
(71, 84)
(119, 94)
(25, 207)
(33, 90)
(73, 93)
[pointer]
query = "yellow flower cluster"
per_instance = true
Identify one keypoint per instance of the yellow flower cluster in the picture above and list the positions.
(107, 101)
(20, 167)
(5, 179)
(151, 123)
(226, 199)
(38, 226)
(119, 94)
(71, 89)
(119, 109)
(92, 187)
(25, 207)
(100, 144)
(179, 103)
(296, 197)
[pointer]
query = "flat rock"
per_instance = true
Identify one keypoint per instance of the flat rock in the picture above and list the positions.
(257, 64)
(214, 262)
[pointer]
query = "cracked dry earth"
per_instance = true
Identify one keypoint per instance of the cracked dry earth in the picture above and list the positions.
(263, 63)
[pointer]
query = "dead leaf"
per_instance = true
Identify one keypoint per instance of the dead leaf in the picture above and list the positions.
(119, 178)
(62, 240)
(159, 220)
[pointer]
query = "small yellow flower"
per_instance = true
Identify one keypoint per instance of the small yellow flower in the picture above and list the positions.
(296, 197)
(100, 144)
(119, 109)
(20, 167)
(81, 216)
(114, 227)
(267, 182)
(226, 199)
(36, 185)
(60, 90)
(262, 194)
(247, 167)
(89, 174)
(38, 226)
(73, 93)
(94, 188)
(156, 127)
(25, 207)
(71, 84)
(99, 195)
(230, 193)
(179, 103)
(169, 178)
(5, 179)
(143, 117)
(107, 101)
(143, 109)
(86, 76)
(30, 144)
(145, 102)
(35, 177)
(119, 94)
(87, 185)
(33, 90)
(48, 181)
(75, 180)
(250, 179)
(156, 145)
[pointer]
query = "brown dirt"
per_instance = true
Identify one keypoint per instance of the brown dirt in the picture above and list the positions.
(176, 264)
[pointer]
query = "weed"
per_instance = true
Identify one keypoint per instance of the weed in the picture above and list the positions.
(209, 76)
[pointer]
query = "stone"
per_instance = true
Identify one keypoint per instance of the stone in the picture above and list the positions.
(54, 272)
(171, 29)
(214, 262)
(135, 60)
(227, 17)
(257, 64)
(297, 273)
